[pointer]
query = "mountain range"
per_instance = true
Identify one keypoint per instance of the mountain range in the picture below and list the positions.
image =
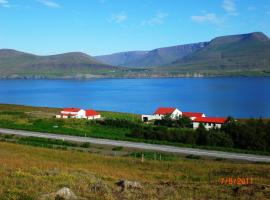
(237, 52)
(156, 57)
(240, 54)
(243, 51)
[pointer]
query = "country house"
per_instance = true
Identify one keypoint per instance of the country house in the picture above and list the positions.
(197, 118)
(78, 113)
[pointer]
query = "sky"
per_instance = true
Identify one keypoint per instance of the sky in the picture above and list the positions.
(97, 27)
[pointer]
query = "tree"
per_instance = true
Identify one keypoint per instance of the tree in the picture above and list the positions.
(184, 122)
(202, 135)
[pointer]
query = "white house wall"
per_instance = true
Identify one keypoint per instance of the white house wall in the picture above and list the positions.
(206, 125)
(94, 117)
(176, 114)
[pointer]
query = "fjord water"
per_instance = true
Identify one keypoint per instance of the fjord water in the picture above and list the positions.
(240, 97)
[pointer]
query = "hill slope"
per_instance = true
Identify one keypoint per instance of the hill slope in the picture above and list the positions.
(156, 57)
(122, 58)
(13, 62)
(243, 54)
(236, 52)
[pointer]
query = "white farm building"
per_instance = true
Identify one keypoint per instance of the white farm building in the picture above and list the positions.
(174, 113)
(197, 118)
(78, 113)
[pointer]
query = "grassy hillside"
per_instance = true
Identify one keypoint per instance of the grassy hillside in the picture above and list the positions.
(155, 57)
(19, 64)
(243, 54)
(28, 172)
(122, 58)
(246, 52)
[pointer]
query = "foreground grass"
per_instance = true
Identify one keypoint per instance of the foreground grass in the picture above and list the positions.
(28, 172)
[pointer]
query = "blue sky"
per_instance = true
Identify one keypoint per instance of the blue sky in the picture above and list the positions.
(101, 27)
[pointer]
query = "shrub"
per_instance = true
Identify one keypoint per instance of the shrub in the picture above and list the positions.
(117, 148)
(193, 157)
(85, 145)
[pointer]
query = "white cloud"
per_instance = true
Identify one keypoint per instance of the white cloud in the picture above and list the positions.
(206, 18)
(118, 18)
(229, 7)
(157, 19)
(49, 3)
(4, 3)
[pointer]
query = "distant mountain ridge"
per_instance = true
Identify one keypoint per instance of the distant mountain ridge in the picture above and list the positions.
(122, 58)
(239, 52)
(226, 55)
(20, 63)
(155, 57)
(249, 51)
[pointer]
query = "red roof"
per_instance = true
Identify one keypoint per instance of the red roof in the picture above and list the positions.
(91, 113)
(216, 120)
(192, 114)
(71, 109)
(164, 111)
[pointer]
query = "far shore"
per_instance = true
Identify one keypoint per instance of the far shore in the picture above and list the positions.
(133, 76)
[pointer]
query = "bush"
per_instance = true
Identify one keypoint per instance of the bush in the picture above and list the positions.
(85, 145)
(202, 135)
(117, 148)
(182, 122)
(118, 123)
(193, 157)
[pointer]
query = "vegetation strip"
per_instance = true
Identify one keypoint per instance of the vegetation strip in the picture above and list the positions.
(142, 146)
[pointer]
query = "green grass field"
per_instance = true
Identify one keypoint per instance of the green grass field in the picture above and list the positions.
(43, 119)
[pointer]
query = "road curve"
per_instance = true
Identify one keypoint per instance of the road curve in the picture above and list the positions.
(137, 145)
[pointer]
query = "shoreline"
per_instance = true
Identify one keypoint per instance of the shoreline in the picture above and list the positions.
(112, 111)
(131, 77)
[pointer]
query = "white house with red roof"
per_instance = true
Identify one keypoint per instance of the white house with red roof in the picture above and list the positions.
(92, 114)
(78, 113)
(197, 118)
(209, 122)
(71, 113)
(174, 113)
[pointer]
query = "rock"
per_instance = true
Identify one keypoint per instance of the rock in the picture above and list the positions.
(65, 194)
(125, 184)
(62, 194)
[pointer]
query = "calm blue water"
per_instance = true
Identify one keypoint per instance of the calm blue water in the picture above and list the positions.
(238, 97)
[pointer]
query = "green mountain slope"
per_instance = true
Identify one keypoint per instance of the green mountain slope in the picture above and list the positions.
(237, 52)
(14, 63)
(122, 59)
(155, 57)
